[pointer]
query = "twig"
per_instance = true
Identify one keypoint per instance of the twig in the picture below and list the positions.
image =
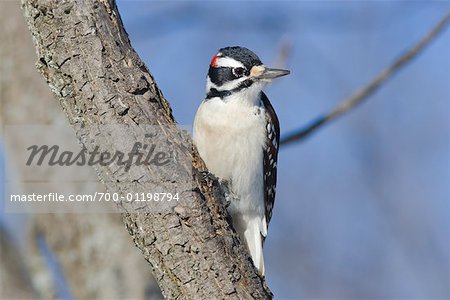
(284, 52)
(359, 96)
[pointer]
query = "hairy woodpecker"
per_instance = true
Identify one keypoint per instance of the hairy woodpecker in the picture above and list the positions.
(236, 132)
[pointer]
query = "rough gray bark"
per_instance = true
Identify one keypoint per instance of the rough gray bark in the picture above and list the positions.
(86, 57)
(82, 243)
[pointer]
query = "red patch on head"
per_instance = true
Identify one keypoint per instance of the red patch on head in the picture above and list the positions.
(214, 61)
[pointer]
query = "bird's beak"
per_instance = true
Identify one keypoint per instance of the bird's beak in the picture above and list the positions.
(262, 72)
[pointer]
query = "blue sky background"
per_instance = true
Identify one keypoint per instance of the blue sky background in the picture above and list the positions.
(363, 206)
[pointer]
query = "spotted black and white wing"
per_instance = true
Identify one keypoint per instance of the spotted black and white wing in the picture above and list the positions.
(270, 156)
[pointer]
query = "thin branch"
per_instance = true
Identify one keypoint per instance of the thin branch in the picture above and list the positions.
(284, 52)
(359, 96)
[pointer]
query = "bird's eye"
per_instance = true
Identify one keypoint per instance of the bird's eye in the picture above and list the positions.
(238, 72)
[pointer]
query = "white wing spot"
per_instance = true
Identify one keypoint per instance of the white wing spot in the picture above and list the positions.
(274, 143)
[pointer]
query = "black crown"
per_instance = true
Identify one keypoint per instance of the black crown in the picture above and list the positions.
(242, 54)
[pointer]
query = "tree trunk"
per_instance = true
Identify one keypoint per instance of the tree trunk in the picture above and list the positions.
(85, 55)
(78, 244)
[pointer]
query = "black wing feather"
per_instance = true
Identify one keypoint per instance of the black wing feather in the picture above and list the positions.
(270, 156)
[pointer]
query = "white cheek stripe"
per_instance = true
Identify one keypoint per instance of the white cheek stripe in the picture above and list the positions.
(231, 85)
(225, 87)
(229, 62)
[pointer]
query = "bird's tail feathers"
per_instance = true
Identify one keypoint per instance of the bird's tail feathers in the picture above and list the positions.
(253, 238)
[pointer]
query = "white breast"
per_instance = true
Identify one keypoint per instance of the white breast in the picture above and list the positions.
(230, 137)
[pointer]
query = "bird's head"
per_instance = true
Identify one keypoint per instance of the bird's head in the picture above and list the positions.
(238, 71)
